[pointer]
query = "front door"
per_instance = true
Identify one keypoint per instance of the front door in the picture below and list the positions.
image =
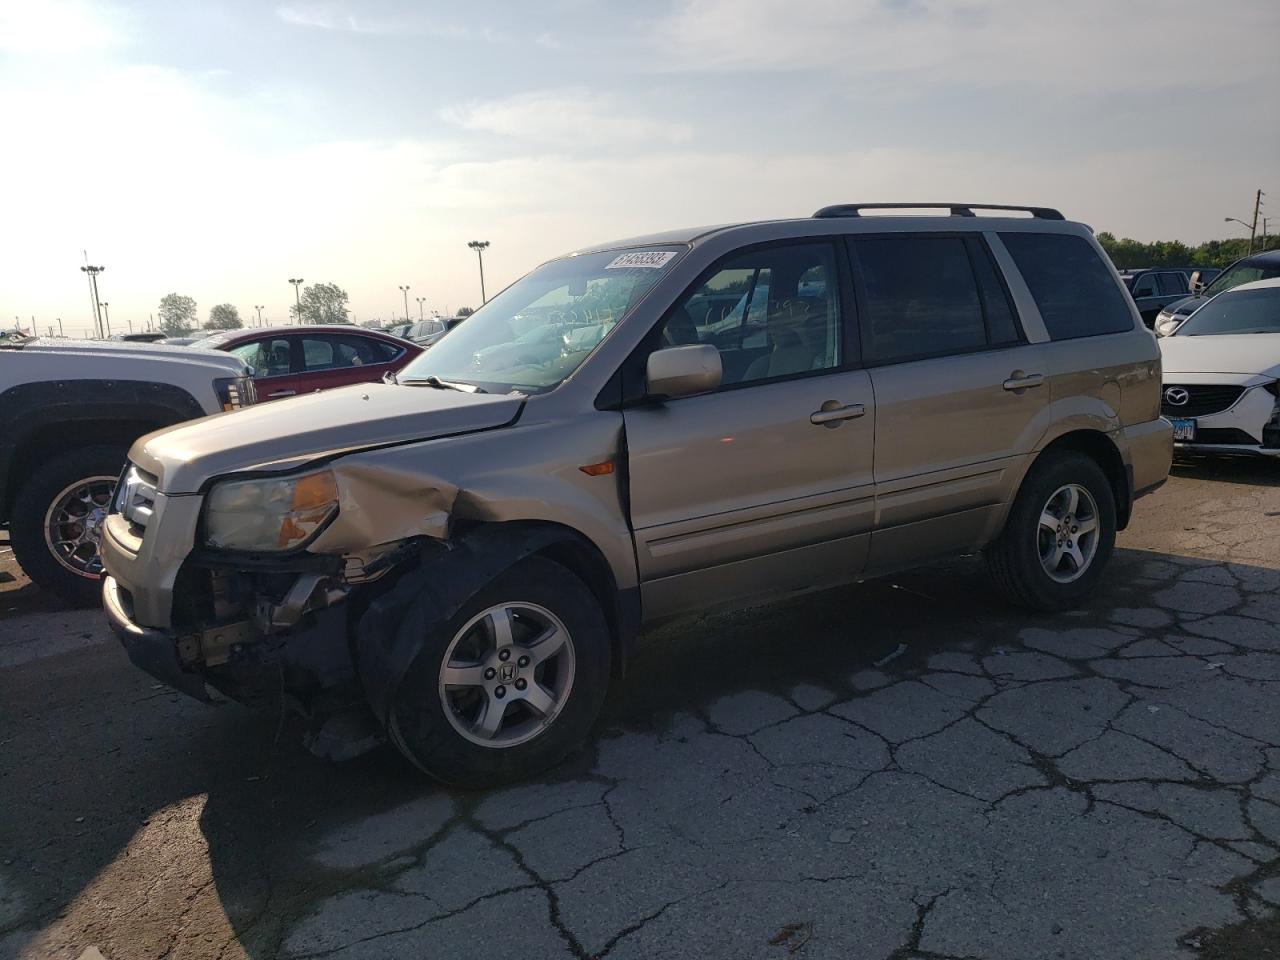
(763, 486)
(273, 372)
(959, 395)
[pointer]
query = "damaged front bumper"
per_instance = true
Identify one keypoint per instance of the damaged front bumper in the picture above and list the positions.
(295, 650)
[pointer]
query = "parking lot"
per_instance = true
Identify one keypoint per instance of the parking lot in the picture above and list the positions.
(905, 768)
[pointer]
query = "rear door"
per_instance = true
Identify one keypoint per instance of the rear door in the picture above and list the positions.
(959, 392)
(763, 486)
(1147, 295)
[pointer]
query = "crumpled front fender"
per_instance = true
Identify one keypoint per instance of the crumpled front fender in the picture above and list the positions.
(392, 630)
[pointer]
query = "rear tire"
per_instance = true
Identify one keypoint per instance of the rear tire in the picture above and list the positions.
(441, 726)
(73, 574)
(1036, 561)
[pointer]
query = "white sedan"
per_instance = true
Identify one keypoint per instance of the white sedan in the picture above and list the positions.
(1222, 374)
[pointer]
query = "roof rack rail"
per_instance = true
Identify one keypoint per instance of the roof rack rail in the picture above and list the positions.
(957, 209)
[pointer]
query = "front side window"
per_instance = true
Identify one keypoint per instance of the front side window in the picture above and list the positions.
(535, 333)
(269, 358)
(1173, 284)
(1237, 312)
(1076, 292)
(1145, 286)
(771, 312)
(921, 297)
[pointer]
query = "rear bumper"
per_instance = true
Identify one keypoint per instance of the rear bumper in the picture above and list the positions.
(152, 651)
(1147, 449)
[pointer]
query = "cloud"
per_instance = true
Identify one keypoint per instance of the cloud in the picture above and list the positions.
(340, 17)
(58, 26)
(1097, 45)
(565, 117)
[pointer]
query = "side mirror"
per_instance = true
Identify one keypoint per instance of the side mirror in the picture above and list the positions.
(682, 371)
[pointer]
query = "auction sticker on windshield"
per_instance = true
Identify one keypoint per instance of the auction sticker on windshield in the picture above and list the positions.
(641, 258)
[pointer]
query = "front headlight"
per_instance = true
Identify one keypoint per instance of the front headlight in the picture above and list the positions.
(269, 513)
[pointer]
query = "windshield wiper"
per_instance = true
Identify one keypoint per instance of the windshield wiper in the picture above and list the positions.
(434, 381)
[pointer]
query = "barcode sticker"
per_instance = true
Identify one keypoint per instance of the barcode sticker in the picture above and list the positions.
(653, 259)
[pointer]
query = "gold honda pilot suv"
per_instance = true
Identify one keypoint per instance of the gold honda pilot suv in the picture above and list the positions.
(460, 559)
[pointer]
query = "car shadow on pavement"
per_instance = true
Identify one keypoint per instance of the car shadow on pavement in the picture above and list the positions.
(1250, 471)
(906, 762)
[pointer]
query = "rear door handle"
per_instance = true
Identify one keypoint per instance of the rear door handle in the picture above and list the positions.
(834, 414)
(281, 393)
(1022, 381)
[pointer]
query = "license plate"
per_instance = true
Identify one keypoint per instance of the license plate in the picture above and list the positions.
(1184, 429)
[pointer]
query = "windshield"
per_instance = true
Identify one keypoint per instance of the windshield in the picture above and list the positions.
(1244, 311)
(536, 332)
(1244, 272)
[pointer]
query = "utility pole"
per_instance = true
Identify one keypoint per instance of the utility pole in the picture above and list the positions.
(258, 307)
(1257, 207)
(93, 292)
(297, 299)
(479, 246)
(106, 316)
(405, 290)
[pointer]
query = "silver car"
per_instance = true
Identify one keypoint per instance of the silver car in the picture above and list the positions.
(461, 561)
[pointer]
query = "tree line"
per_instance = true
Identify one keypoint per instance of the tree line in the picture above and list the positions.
(318, 303)
(1127, 254)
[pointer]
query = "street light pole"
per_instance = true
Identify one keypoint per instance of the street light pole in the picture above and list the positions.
(297, 298)
(421, 301)
(405, 290)
(479, 246)
(106, 315)
(93, 290)
(258, 307)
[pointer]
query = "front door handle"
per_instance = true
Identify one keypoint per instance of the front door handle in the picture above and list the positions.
(833, 412)
(281, 393)
(1022, 381)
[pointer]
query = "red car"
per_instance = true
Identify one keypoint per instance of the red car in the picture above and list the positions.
(292, 360)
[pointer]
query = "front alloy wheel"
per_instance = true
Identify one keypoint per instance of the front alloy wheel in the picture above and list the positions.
(508, 685)
(507, 674)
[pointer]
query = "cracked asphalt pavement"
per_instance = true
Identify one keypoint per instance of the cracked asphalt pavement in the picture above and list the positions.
(904, 769)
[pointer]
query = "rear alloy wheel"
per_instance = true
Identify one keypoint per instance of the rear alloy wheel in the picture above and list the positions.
(1058, 536)
(510, 684)
(57, 521)
(1067, 538)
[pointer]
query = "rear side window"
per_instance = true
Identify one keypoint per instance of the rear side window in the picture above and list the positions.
(930, 296)
(1076, 292)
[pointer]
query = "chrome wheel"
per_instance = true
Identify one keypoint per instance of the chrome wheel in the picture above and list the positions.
(1067, 536)
(73, 524)
(507, 674)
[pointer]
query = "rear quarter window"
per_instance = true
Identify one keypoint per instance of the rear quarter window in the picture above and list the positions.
(1076, 292)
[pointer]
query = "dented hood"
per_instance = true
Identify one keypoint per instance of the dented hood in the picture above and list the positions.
(287, 434)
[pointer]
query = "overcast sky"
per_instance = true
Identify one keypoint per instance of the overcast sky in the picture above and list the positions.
(219, 147)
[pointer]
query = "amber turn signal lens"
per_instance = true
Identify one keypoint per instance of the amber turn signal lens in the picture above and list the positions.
(604, 468)
(315, 490)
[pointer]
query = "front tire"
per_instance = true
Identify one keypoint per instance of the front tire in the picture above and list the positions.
(510, 684)
(1059, 534)
(56, 518)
